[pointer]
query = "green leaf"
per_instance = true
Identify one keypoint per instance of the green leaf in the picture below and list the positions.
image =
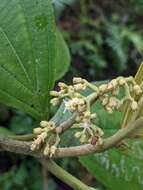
(27, 54)
(117, 170)
(63, 58)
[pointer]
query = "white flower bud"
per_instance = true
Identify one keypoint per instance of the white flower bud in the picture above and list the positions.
(99, 131)
(78, 134)
(46, 150)
(54, 93)
(55, 101)
(87, 114)
(62, 85)
(114, 83)
(100, 142)
(78, 119)
(83, 138)
(113, 102)
(137, 89)
(122, 81)
(44, 124)
(77, 80)
(53, 150)
(37, 131)
(42, 136)
(134, 105)
(33, 146)
(102, 88)
(93, 116)
(79, 86)
(110, 86)
(105, 101)
(109, 109)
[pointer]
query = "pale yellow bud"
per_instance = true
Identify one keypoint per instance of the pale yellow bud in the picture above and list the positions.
(55, 101)
(44, 124)
(87, 114)
(122, 81)
(81, 108)
(100, 142)
(110, 86)
(54, 93)
(46, 150)
(77, 80)
(62, 85)
(78, 119)
(137, 89)
(93, 116)
(33, 146)
(53, 150)
(78, 134)
(105, 101)
(114, 83)
(83, 138)
(99, 131)
(134, 105)
(103, 88)
(37, 131)
(109, 110)
(42, 136)
(113, 102)
(79, 86)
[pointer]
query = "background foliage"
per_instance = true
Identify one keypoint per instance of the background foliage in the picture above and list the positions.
(105, 40)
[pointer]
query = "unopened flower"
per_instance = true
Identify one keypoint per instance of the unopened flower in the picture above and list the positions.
(62, 85)
(134, 105)
(83, 138)
(100, 141)
(37, 131)
(44, 124)
(78, 134)
(77, 80)
(137, 89)
(54, 93)
(102, 88)
(122, 81)
(53, 150)
(99, 131)
(113, 102)
(55, 101)
(79, 86)
(114, 83)
(46, 150)
(109, 109)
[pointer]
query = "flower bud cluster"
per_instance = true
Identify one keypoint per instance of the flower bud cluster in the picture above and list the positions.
(90, 134)
(89, 131)
(108, 93)
(42, 138)
(75, 102)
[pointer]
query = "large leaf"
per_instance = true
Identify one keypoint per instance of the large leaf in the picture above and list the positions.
(28, 56)
(62, 56)
(117, 170)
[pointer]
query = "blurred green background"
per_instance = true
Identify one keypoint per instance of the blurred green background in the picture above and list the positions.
(105, 39)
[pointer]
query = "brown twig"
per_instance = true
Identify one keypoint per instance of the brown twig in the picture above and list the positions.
(22, 147)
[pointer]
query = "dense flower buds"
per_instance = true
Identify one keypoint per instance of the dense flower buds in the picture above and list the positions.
(85, 121)
(43, 132)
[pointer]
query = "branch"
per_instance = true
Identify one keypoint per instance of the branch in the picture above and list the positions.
(63, 175)
(22, 147)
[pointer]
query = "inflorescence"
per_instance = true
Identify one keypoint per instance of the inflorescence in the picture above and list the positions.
(85, 121)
